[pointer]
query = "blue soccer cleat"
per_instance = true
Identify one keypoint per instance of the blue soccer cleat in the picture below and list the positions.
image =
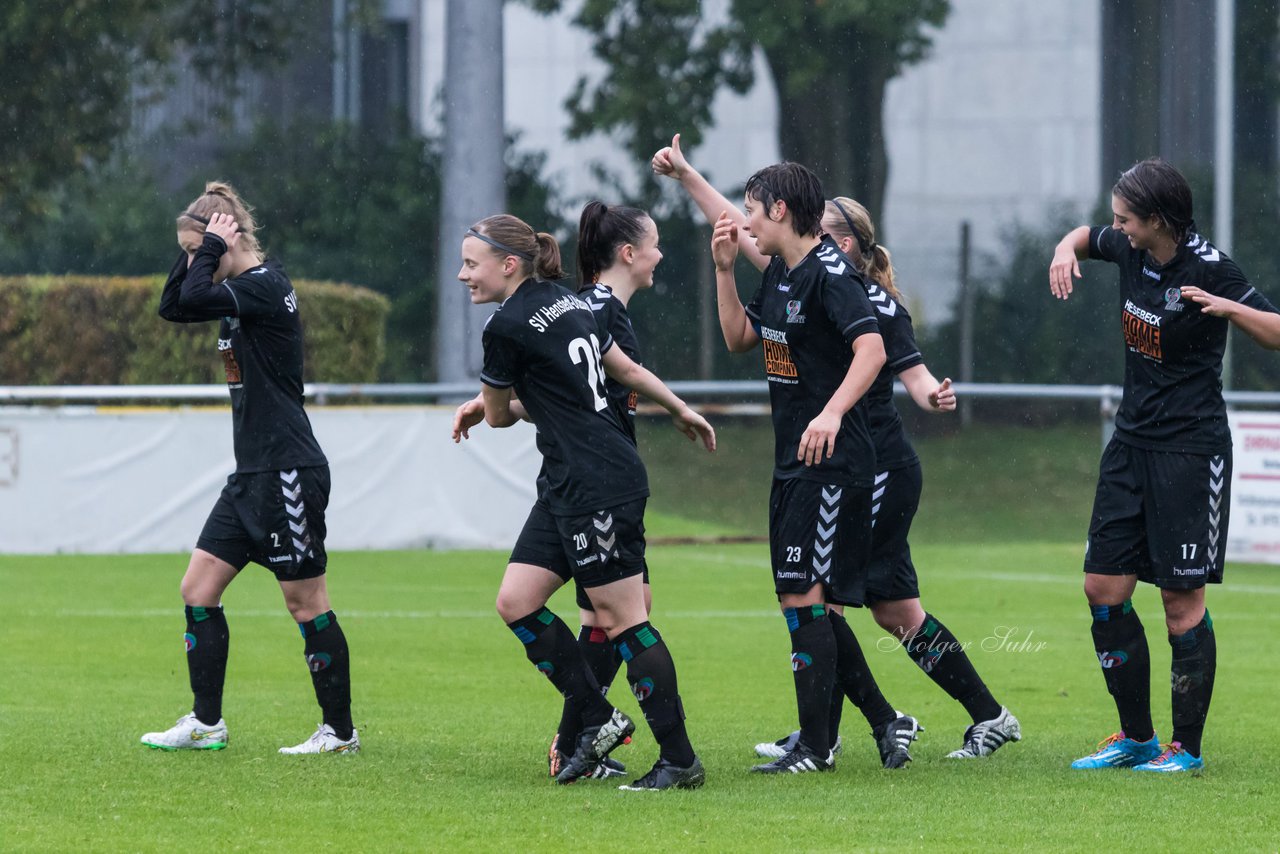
(1120, 752)
(1173, 759)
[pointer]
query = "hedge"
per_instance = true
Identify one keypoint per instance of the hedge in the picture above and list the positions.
(105, 330)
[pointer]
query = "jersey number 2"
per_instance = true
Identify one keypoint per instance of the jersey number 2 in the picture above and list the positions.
(587, 352)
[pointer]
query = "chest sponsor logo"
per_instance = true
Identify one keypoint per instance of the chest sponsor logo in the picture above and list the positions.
(793, 312)
(1173, 299)
(1142, 331)
(229, 363)
(778, 365)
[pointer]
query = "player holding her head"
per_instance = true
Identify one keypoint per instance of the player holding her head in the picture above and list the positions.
(822, 352)
(271, 511)
(545, 344)
(1160, 510)
(893, 592)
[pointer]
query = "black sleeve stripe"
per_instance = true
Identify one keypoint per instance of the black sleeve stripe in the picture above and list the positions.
(494, 382)
(861, 322)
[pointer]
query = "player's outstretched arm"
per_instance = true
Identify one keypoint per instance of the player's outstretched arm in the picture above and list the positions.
(1261, 326)
(671, 162)
(739, 335)
(623, 369)
(1070, 251)
(929, 394)
(819, 439)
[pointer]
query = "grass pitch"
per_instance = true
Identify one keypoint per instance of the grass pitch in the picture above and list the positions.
(455, 722)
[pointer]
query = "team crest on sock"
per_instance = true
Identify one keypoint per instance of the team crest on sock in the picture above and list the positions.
(642, 689)
(318, 661)
(546, 667)
(1109, 660)
(800, 661)
(190, 641)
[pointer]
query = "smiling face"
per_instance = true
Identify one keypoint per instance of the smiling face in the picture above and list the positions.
(190, 239)
(1142, 233)
(645, 256)
(489, 277)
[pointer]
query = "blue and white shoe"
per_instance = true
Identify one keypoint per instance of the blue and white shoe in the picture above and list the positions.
(1117, 751)
(1173, 759)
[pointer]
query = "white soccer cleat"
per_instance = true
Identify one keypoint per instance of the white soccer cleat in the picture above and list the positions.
(323, 740)
(189, 734)
(786, 744)
(986, 737)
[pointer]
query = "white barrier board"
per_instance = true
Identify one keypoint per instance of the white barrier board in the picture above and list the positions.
(98, 480)
(1254, 535)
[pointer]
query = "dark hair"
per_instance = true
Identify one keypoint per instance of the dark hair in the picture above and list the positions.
(602, 230)
(220, 197)
(847, 217)
(795, 185)
(538, 251)
(1152, 187)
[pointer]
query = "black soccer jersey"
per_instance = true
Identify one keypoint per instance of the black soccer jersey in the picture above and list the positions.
(893, 448)
(545, 342)
(1173, 364)
(612, 315)
(260, 342)
(807, 317)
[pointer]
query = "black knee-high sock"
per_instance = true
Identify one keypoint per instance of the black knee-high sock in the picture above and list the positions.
(208, 640)
(551, 647)
(603, 661)
(325, 646)
(1195, 662)
(652, 674)
(854, 679)
(942, 657)
(813, 666)
(1122, 651)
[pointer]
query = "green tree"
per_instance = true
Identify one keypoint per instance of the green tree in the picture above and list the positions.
(71, 70)
(830, 61)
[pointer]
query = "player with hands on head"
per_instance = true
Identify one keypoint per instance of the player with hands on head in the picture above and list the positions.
(272, 510)
(1160, 510)
(547, 355)
(892, 591)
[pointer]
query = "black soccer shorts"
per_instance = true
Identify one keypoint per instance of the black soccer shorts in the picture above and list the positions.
(273, 518)
(820, 534)
(1162, 516)
(891, 576)
(542, 543)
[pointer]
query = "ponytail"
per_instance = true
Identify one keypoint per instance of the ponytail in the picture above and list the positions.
(221, 197)
(547, 263)
(845, 217)
(538, 253)
(602, 231)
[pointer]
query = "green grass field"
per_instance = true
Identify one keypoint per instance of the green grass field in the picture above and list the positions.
(455, 721)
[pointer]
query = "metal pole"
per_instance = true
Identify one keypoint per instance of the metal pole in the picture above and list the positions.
(1223, 147)
(966, 323)
(474, 175)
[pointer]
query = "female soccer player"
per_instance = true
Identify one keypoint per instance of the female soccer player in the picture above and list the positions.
(271, 511)
(822, 351)
(1163, 494)
(893, 593)
(547, 345)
